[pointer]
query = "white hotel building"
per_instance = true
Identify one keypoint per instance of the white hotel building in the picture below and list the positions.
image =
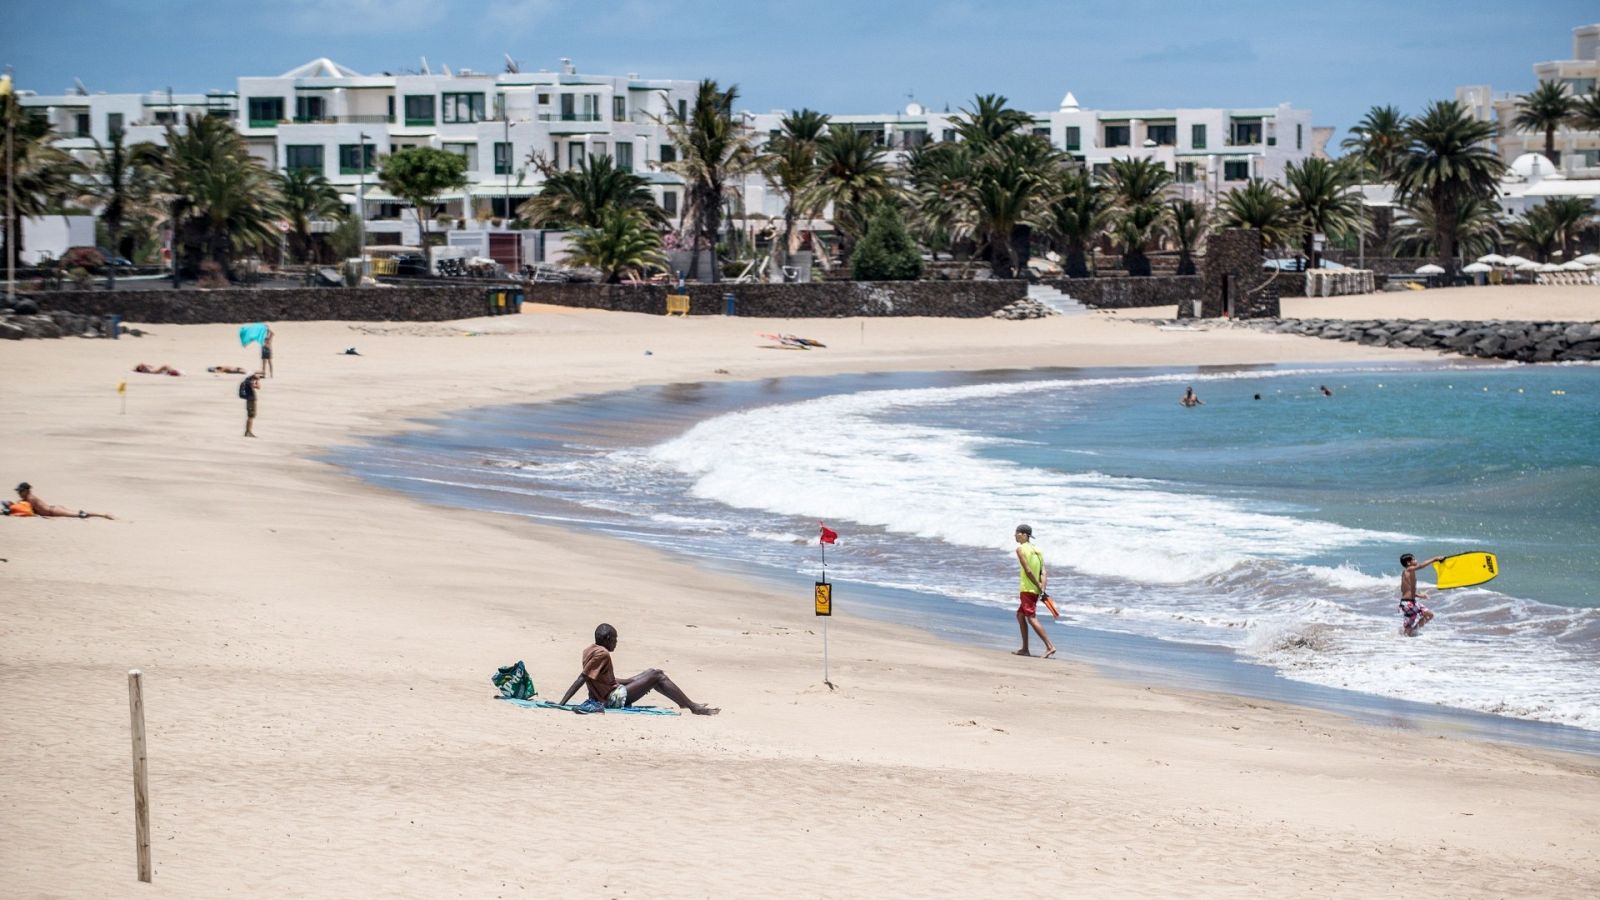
(327, 117)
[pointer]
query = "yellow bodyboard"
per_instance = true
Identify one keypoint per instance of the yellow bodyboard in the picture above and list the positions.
(1466, 569)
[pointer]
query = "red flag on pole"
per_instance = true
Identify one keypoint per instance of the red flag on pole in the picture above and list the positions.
(829, 536)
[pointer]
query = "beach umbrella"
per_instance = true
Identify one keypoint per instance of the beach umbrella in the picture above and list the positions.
(1493, 259)
(1549, 267)
(252, 333)
(1589, 259)
(1430, 269)
(1477, 267)
(1516, 262)
(1575, 265)
(1527, 265)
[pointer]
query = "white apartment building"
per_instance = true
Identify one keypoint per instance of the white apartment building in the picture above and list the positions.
(331, 119)
(1209, 151)
(1577, 152)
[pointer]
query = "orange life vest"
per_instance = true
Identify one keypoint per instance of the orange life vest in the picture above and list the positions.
(21, 508)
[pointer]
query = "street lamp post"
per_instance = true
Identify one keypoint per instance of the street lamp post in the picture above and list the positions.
(361, 211)
(8, 97)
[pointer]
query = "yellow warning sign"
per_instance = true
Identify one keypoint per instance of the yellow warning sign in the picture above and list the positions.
(824, 598)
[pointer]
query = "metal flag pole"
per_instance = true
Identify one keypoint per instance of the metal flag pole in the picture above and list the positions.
(7, 96)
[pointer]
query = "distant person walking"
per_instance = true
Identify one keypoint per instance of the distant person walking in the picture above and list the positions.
(266, 353)
(1189, 398)
(1416, 615)
(247, 393)
(1031, 560)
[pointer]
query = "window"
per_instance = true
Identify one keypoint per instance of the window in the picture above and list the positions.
(1074, 137)
(619, 109)
(419, 109)
(502, 158)
(1299, 136)
(462, 107)
(166, 117)
(1581, 87)
(625, 156)
(81, 121)
(1163, 135)
(113, 123)
(390, 98)
(1236, 170)
(912, 138)
(1100, 170)
(669, 202)
(569, 108)
(1588, 159)
(683, 109)
(948, 135)
(1197, 137)
(468, 152)
(265, 112)
(544, 99)
(1043, 132)
(1246, 133)
(669, 153)
(591, 108)
(597, 150)
(308, 109)
(1186, 173)
(574, 154)
(1118, 136)
(305, 156)
(357, 158)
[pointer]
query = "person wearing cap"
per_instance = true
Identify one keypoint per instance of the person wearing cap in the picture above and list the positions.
(41, 508)
(1031, 589)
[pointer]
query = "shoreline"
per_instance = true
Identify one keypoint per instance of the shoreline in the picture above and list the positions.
(317, 654)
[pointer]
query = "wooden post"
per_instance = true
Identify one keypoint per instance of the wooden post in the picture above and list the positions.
(141, 781)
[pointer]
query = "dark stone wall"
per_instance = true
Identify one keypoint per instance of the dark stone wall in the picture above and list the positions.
(1124, 292)
(822, 299)
(1523, 341)
(155, 307)
(1233, 266)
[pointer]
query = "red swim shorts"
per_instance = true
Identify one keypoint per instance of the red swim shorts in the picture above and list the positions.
(1028, 604)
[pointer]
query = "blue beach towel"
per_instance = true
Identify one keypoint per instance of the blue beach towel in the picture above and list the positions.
(251, 334)
(589, 706)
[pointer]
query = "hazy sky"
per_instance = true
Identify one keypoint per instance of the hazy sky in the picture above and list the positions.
(1336, 58)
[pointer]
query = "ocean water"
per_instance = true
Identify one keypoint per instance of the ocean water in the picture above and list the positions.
(1266, 528)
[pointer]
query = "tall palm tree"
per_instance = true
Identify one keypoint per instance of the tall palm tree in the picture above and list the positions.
(940, 177)
(1076, 217)
(624, 241)
(307, 197)
(44, 173)
(713, 151)
(1379, 141)
(1546, 108)
(1263, 206)
(1586, 111)
(1137, 211)
(1187, 224)
(223, 199)
(1570, 215)
(121, 184)
(990, 120)
(1324, 200)
(790, 163)
(852, 175)
(1448, 163)
(1536, 233)
(581, 197)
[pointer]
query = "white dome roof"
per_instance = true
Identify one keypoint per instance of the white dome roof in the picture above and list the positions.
(1069, 103)
(1534, 167)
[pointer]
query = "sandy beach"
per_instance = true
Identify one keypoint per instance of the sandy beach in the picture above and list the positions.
(316, 656)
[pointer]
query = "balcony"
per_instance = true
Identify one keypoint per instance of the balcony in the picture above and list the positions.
(344, 120)
(568, 123)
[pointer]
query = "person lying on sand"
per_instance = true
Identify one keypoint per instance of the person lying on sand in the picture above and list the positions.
(147, 369)
(225, 370)
(41, 508)
(604, 688)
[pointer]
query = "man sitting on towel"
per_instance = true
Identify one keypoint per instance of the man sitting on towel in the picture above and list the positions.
(606, 690)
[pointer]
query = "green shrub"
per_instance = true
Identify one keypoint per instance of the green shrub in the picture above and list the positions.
(886, 252)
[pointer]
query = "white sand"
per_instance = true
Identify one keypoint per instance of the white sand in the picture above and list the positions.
(316, 657)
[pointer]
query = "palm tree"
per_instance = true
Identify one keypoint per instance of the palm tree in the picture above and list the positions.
(852, 174)
(1263, 206)
(940, 176)
(1324, 200)
(1187, 224)
(1545, 109)
(990, 121)
(1586, 111)
(1477, 232)
(790, 163)
(121, 184)
(1379, 141)
(1448, 163)
(581, 197)
(307, 197)
(223, 199)
(624, 241)
(1137, 212)
(44, 173)
(1537, 233)
(713, 151)
(1570, 215)
(1076, 217)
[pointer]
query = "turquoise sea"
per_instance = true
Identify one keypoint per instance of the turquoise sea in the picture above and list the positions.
(1262, 531)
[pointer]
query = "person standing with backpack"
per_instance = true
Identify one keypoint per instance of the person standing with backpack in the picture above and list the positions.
(247, 393)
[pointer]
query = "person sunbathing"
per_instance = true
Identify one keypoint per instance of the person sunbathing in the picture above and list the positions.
(225, 370)
(606, 690)
(147, 369)
(41, 508)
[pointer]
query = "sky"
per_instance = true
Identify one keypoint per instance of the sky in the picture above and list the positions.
(1337, 58)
